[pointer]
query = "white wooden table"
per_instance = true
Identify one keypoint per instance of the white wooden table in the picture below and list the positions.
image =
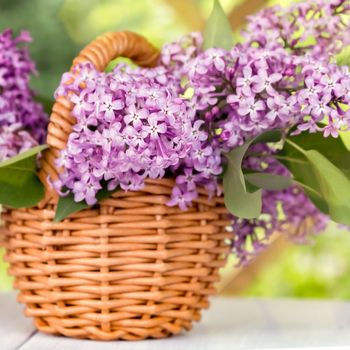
(229, 324)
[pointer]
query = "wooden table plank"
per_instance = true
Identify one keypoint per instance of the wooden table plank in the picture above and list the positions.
(15, 329)
(229, 324)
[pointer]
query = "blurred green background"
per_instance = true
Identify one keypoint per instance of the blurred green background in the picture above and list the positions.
(60, 28)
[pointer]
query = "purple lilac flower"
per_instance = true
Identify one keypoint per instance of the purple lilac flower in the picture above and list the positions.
(253, 99)
(315, 27)
(22, 120)
(175, 54)
(132, 125)
(14, 140)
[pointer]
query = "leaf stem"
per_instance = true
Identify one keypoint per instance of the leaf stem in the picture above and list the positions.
(298, 148)
(307, 188)
(276, 156)
(295, 160)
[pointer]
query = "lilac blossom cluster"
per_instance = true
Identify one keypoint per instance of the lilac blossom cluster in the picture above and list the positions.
(22, 120)
(133, 124)
(315, 27)
(241, 95)
(180, 118)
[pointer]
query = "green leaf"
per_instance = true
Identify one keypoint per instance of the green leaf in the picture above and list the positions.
(304, 175)
(240, 200)
(271, 182)
(250, 188)
(332, 148)
(326, 184)
(19, 185)
(334, 186)
(218, 32)
(67, 205)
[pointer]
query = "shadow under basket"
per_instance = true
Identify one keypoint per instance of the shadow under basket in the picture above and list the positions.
(131, 268)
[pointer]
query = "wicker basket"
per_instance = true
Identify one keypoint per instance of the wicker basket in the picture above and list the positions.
(130, 268)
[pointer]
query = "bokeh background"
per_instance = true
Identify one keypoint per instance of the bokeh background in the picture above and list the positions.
(60, 28)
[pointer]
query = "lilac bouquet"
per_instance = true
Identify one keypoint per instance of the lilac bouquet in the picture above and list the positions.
(257, 122)
(23, 124)
(22, 119)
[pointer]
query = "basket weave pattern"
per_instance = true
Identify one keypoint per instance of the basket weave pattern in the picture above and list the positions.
(129, 268)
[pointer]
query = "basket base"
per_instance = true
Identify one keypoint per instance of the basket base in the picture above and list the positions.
(138, 328)
(161, 331)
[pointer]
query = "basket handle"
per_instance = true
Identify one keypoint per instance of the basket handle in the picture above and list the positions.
(100, 53)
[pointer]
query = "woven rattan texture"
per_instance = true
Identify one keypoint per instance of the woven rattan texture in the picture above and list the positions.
(131, 267)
